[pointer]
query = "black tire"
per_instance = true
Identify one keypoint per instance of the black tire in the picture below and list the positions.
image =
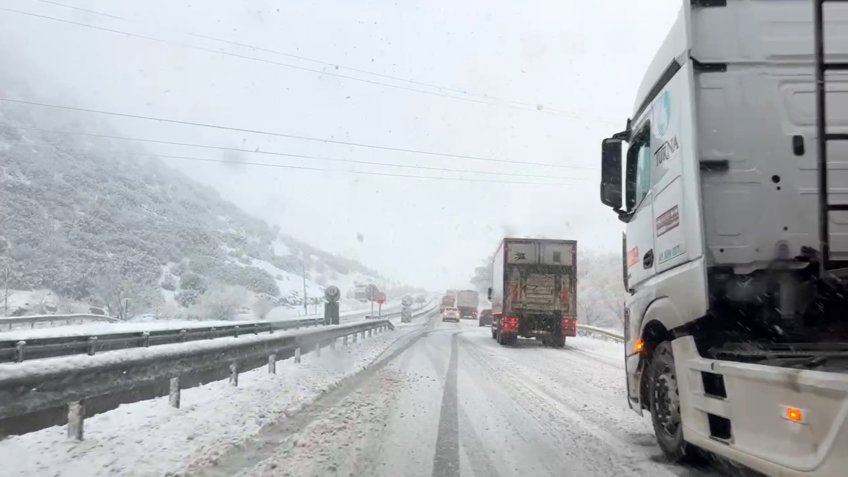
(557, 341)
(664, 405)
(494, 334)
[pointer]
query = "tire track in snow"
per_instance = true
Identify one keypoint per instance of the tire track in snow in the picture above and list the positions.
(446, 459)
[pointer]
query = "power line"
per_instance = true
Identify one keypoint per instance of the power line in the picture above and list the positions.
(246, 57)
(74, 7)
(277, 134)
(487, 98)
(346, 171)
(301, 156)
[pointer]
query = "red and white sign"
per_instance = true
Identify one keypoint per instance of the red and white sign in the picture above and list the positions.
(632, 256)
(381, 298)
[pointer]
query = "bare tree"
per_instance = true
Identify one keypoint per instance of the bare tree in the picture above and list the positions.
(262, 306)
(221, 302)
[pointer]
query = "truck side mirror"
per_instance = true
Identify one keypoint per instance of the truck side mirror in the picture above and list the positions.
(490, 293)
(611, 173)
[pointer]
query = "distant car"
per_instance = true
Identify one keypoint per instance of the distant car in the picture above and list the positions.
(450, 314)
(484, 318)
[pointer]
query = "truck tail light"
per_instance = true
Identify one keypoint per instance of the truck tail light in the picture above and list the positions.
(509, 323)
(568, 326)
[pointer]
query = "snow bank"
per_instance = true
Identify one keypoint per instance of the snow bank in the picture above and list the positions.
(151, 438)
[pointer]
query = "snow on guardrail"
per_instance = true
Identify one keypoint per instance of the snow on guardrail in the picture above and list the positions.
(48, 392)
(10, 321)
(594, 330)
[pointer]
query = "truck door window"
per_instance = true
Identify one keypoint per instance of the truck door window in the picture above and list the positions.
(638, 169)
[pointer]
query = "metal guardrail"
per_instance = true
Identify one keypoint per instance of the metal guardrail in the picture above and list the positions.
(17, 351)
(74, 389)
(42, 394)
(590, 330)
(68, 318)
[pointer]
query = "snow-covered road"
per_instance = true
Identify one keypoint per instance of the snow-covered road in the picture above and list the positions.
(428, 399)
(449, 401)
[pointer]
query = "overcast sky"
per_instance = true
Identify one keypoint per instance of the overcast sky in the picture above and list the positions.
(531, 81)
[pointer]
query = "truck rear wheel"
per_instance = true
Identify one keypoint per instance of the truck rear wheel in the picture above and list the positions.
(665, 406)
(557, 341)
(505, 340)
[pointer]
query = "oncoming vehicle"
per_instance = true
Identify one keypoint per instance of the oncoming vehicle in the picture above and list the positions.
(484, 318)
(450, 314)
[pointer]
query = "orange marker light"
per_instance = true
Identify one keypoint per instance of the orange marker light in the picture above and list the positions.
(639, 345)
(793, 414)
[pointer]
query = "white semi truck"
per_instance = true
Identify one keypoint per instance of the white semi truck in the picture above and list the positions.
(732, 179)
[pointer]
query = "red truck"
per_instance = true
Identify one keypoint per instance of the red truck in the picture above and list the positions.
(534, 291)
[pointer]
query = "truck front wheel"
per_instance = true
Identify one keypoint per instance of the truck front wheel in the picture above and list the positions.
(665, 406)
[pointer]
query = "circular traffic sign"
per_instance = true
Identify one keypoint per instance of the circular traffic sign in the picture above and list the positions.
(381, 298)
(332, 293)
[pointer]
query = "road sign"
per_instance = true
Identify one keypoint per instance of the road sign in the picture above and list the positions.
(381, 298)
(332, 294)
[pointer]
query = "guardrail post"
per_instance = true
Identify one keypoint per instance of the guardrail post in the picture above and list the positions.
(92, 345)
(236, 330)
(344, 340)
(182, 336)
(333, 344)
(19, 351)
(297, 354)
(76, 419)
(145, 337)
(233, 374)
(272, 363)
(354, 336)
(174, 395)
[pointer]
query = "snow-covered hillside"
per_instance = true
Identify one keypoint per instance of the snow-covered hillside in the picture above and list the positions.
(99, 226)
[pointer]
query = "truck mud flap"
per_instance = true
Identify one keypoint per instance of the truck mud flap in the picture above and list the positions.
(780, 421)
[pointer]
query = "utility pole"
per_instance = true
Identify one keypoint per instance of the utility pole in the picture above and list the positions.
(6, 293)
(305, 305)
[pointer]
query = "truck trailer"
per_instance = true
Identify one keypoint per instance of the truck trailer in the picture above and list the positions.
(534, 290)
(467, 302)
(734, 193)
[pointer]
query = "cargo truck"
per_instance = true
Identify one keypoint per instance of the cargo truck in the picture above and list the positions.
(533, 290)
(733, 188)
(467, 301)
(448, 301)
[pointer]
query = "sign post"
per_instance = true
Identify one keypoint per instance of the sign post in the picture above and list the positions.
(381, 298)
(371, 293)
(331, 309)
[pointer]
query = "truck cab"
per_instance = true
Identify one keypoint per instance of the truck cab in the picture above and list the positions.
(736, 245)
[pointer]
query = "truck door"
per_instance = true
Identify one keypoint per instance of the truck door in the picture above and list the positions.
(639, 201)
